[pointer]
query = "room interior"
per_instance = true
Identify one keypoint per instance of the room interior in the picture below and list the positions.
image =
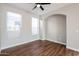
(39, 29)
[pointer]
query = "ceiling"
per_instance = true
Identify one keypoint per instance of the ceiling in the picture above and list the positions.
(47, 8)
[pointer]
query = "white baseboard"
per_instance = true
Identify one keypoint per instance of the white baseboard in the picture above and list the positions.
(56, 41)
(2, 48)
(72, 49)
(40, 39)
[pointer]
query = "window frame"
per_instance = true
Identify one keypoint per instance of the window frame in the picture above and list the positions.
(20, 20)
(37, 26)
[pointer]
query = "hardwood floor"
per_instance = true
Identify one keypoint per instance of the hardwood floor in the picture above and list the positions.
(40, 48)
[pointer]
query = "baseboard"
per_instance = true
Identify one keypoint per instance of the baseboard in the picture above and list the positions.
(72, 49)
(18, 44)
(56, 41)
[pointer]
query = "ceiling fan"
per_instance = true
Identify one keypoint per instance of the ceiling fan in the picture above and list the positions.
(39, 5)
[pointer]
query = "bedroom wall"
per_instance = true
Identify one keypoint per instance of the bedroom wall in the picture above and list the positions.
(56, 28)
(0, 27)
(10, 39)
(72, 24)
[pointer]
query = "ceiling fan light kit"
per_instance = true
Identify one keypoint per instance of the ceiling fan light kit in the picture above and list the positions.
(39, 5)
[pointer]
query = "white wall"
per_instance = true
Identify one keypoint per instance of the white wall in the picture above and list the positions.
(0, 27)
(72, 24)
(10, 39)
(56, 28)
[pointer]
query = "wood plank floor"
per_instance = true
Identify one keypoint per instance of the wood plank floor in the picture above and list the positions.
(40, 48)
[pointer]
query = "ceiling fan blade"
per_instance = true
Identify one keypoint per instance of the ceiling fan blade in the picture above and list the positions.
(34, 7)
(43, 3)
(41, 7)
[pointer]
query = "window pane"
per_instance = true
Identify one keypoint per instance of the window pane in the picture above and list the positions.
(35, 26)
(13, 21)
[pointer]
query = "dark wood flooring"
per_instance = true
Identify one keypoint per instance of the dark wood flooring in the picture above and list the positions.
(39, 48)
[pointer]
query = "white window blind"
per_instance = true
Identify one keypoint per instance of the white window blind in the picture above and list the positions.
(35, 26)
(13, 21)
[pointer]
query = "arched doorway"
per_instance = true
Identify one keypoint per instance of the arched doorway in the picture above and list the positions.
(56, 28)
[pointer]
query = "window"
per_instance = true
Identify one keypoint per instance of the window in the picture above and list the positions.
(13, 21)
(35, 26)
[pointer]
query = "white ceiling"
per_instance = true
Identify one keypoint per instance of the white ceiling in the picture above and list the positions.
(47, 8)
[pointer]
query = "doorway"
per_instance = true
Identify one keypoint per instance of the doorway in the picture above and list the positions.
(56, 28)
